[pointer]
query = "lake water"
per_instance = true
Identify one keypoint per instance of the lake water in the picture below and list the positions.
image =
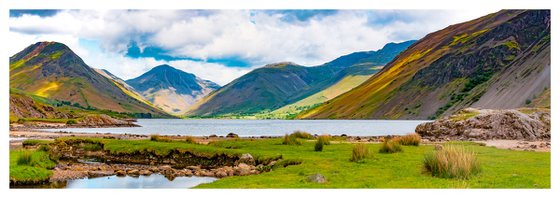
(152, 181)
(247, 128)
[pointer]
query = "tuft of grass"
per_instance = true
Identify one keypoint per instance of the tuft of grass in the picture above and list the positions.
(452, 162)
(25, 158)
(412, 139)
(190, 140)
(326, 139)
(290, 140)
(302, 135)
(359, 153)
(159, 138)
(390, 146)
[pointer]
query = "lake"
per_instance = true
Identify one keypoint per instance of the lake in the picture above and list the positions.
(248, 128)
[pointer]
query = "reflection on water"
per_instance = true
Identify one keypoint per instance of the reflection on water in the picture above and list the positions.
(152, 181)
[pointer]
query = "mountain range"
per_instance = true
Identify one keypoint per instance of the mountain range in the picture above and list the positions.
(171, 89)
(276, 85)
(499, 61)
(52, 71)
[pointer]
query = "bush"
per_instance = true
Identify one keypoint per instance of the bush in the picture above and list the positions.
(25, 158)
(390, 146)
(290, 140)
(319, 145)
(159, 138)
(71, 122)
(452, 162)
(359, 153)
(412, 139)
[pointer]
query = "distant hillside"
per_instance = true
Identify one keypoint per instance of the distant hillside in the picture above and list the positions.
(276, 85)
(51, 70)
(171, 89)
(498, 61)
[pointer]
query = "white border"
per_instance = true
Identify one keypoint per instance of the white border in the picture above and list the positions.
(5, 5)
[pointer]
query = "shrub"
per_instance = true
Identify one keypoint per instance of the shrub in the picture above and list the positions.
(302, 135)
(319, 145)
(452, 162)
(390, 146)
(290, 140)
(71, 122)
(359, 152)
(412, 139)
(25, 158)
(159, 138)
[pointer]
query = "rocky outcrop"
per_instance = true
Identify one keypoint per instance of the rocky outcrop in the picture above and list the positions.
(317, 178)
(487, 124)
(22, 106)
(104, 121)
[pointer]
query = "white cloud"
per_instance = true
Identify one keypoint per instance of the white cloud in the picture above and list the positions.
(255, 36)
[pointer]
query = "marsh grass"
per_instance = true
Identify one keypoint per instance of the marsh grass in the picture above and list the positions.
(159, 138)
(319, 145)
(290, 140)
(25, 158)
(326, 139)
(412, 139)
(359, 153)
(452, 162)
(190, 140)
(390, 146)
(302, 135)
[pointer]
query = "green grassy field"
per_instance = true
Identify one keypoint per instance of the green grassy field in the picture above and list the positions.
(500, 168)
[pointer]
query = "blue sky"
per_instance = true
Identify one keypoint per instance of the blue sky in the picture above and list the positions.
(221, 45)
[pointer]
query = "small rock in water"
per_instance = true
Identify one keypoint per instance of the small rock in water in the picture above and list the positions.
(316, 178)
(121, 173)
(145, 172)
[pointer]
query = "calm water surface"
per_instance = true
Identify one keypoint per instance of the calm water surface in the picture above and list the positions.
(152, 181)
(245, 128)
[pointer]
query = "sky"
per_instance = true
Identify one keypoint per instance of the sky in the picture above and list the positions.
(221, 45)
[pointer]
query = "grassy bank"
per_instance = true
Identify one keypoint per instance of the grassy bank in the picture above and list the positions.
(499, 168)
(28, 166)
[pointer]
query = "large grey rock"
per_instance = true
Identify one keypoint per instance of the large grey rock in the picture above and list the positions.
(247, 159)
(317, 178)
(485, 124)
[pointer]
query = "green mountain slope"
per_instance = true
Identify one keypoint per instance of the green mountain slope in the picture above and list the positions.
(276, 85)
(51, 70)
(501, 60)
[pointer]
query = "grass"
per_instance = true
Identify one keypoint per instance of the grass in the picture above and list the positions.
(359, 153)
(390, 146)
(159, 138)
(452, 162)
(412, 139)
(502, 168)
(28, 166)
(293, 138)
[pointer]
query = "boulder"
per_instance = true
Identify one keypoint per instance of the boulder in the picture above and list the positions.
(242, 169)
(246, 158)
(120, 173)
(92, 174)
(145, 172)
(487, 124)
(316, 178)
(232, 135)
(133, 172)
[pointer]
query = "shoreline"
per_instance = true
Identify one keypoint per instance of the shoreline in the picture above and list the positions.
(22, 135)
